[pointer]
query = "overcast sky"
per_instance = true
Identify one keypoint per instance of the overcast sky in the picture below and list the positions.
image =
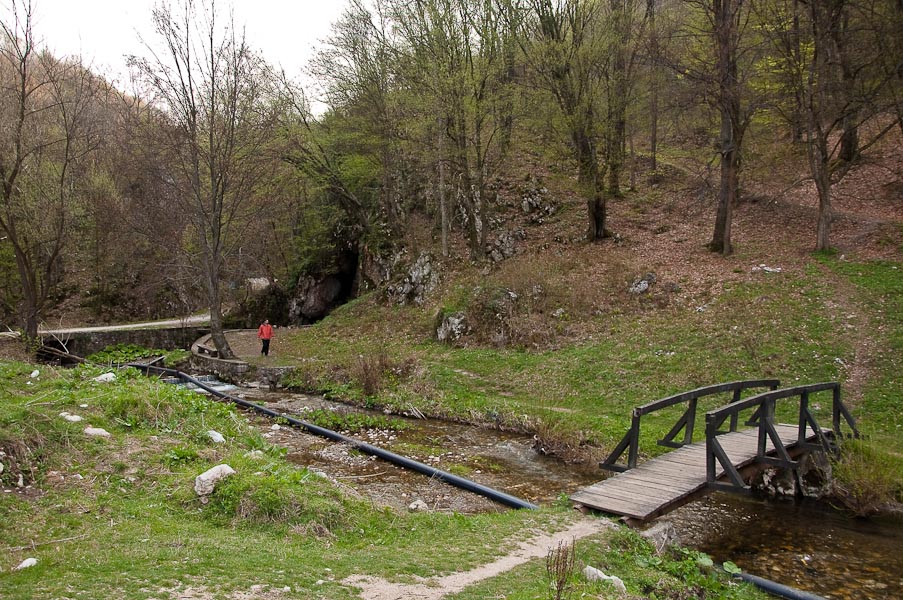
(103, 31)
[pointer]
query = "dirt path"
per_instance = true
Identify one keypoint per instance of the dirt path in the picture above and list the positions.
(182, 322)
(435, 588)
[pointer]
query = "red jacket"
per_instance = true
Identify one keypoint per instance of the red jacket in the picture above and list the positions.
(265, 331)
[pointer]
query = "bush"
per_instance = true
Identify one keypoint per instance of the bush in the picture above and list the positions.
(867, 479)
(277, 494)
(119, 354)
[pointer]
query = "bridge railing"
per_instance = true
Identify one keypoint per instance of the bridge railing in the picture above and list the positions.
(631, 440)
(763, 417)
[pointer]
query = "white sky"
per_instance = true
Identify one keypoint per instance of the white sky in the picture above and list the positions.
(103, 32)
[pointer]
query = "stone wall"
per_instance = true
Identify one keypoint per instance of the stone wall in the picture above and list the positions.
(232, 371)
(83, 344)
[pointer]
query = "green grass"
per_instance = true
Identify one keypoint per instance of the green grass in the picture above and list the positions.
(879, 286)
(584, 392)
(132, 526)
(352, 422)
(802, 327)
(117, 517)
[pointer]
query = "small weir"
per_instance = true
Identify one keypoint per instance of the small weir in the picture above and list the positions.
(208, 380)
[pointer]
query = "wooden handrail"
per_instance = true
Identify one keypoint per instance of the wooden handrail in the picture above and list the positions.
(631, 440)
(763, 418)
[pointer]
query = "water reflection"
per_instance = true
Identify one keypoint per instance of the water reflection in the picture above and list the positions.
(806, 545)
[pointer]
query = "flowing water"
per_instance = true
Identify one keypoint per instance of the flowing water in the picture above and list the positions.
(501, 460)
(804, 545)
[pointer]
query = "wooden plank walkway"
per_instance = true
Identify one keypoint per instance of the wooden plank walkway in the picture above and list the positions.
(670, 480)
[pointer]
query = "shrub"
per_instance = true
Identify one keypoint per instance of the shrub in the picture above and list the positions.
(373, 371)
(867, 479)
(278, 494)
(560, 566)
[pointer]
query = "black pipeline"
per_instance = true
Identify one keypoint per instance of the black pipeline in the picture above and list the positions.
(777, 589)
(402, 461)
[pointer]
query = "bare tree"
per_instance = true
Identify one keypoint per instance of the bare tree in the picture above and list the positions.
(48, 133)
(211, 116)
(847, 80)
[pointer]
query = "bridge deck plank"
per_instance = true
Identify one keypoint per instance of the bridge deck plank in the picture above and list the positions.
(667, 481)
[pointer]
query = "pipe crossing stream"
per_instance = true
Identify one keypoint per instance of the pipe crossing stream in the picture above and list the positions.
(370, 449)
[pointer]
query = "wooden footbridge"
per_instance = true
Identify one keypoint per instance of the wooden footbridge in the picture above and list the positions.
(726, 455)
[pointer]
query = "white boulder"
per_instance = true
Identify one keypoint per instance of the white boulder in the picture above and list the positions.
(418, 506)
(106, 378)
(594, 574)
(206, 481)
(28, 562)
(96, 432)
(216, 437)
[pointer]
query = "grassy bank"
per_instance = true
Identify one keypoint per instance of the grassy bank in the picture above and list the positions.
(830, 320)
(117, 516)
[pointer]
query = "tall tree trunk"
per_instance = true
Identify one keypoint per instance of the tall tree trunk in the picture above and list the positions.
(213, 267)
(30, 307)
(653, 100)
(796, 117)
(729, 106)
(591, 183)
(443, 195)
(849, 139)
(618, 96)
(825, 209)
(823, 18)
(721, 241)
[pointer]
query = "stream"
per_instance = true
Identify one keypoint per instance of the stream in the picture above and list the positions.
(806, 545)
(803, 544)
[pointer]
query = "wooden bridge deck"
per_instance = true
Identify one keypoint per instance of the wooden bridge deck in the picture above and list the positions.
(668, 481)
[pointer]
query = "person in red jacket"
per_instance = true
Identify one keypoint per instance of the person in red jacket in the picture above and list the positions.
(265, 334)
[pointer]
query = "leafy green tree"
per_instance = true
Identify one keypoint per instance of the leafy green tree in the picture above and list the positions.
(563, 48)
(624, 25)
(458, 59)
(357, 70)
